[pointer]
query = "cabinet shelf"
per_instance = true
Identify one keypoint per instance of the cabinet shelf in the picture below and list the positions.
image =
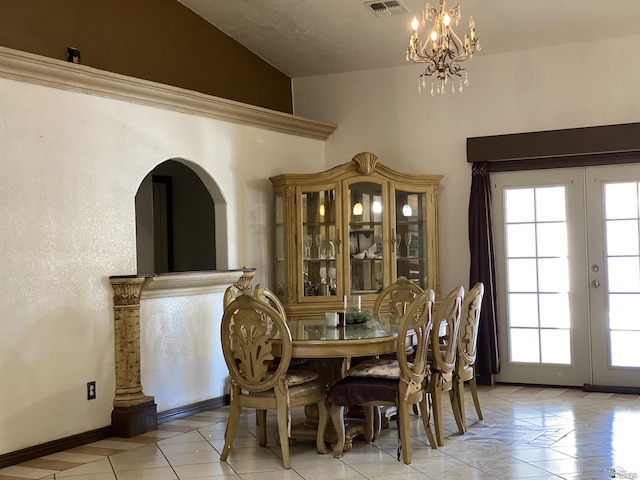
(362, 231)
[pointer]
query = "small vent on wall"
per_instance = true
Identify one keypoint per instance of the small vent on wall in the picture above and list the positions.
(386, 9)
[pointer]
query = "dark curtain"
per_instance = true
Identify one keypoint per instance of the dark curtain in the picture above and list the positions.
(483, 270)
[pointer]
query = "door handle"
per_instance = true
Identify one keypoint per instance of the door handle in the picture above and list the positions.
(595, 283)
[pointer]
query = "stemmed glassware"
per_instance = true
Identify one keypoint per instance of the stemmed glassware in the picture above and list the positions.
(407, 240)
(320, 246)
(398, 240)
(308, 241)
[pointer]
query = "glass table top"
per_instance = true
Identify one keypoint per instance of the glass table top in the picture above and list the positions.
(317, 329)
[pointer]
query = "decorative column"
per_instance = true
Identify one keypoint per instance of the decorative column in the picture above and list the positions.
(133, 411)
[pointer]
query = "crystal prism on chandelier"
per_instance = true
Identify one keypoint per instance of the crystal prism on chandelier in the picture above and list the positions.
(442, 50)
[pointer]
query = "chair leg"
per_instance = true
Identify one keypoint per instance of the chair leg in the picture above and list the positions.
(323, 418)
(403, 427)
(372, 422)
(436, 406)
(337, 419)
(455, 406)
(424, 413)
(377, 424)
(261, 422)
(474, 394)
(369, 422)
(231, 431)
(459, 390)
(283, 429)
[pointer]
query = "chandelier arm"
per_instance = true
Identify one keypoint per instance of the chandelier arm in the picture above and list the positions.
(422, 53)
(453, 38)
(455, 69)
(430, 69)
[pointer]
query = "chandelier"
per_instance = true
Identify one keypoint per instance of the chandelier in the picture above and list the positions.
(442, 50)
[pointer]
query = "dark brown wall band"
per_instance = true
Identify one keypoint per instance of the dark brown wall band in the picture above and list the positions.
(156, 40)
(575, 147)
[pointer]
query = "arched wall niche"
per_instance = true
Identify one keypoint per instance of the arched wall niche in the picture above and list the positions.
(181, 220)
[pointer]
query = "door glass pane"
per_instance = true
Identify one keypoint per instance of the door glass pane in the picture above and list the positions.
(552, 343)
(318, 243)
(621, 307)
(550, 204)
(621, 202)
(554, 310)
(622, 237)
(523, 309)
(521, 239)
(623, 274)
(552, 239)
(410, 240)
(553, 275)
(522, 275)
(624, 348)
(524, 345)
(519, 205)
(365, 237)
(538, 275)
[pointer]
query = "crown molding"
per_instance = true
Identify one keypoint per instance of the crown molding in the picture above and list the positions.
(49, 72)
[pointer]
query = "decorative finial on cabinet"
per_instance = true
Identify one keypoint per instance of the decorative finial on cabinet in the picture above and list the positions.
(366, 162)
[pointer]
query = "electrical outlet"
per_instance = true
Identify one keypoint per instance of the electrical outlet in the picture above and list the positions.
(91, 390)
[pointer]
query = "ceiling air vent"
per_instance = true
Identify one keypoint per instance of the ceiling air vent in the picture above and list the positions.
(386, 9)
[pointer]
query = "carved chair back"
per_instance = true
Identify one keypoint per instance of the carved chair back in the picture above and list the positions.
(397, 297)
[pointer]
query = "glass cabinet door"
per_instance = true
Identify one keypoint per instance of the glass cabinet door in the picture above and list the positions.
(365, 214)
(280, 276)
(319, 243)
(410, 236)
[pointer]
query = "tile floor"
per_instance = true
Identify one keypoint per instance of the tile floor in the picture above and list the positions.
(537, 433)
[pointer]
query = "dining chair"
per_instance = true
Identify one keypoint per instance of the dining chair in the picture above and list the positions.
(394, 300)
(397, 297)
(467, 343)
(257, 348)
(263, 293)
(389, 382)
(230, 294)
(442, 359)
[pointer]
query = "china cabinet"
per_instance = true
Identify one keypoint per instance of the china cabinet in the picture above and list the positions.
(352, 230)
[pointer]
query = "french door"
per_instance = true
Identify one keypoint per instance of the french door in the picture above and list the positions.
(567, 245)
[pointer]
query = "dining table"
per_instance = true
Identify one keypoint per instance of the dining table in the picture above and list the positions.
(329, 350)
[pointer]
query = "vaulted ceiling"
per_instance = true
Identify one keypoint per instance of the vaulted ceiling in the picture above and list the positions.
(314, 37)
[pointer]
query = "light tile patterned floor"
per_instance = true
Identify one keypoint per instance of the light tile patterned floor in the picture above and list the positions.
(537, 433)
